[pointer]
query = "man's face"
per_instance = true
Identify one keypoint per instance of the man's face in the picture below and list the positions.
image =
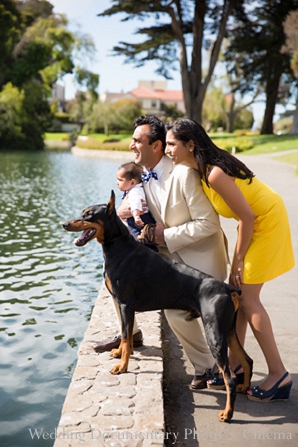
(144, 153)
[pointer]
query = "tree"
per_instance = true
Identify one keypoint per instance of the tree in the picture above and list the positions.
(116, 116)
(10, 30)
(291, 48)
(244, 118)
(81, 108)
(222, 110)
(236, 88)
(193, 26)
(257, 44)
(89, 80)
(37, 51)
(213, 116)
(125, 112)
(170, 112)
(11, 103)
(102, 117)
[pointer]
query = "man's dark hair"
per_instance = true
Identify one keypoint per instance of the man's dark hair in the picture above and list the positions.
(157, 127)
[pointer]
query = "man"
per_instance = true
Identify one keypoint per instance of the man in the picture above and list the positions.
(187, 230)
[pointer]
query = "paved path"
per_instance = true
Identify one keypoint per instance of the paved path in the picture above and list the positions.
(127, 410)
(101, 409)
(273, 424)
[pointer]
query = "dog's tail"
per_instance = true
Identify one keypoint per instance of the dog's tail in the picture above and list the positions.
(234, 297)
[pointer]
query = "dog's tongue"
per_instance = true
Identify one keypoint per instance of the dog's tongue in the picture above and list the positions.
(83, 239)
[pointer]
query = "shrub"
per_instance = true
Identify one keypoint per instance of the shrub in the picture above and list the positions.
(240, 144)
(112, 140)
(94, 143)
(63, 117)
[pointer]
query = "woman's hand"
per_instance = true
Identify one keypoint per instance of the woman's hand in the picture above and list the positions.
(226, 187)
(236, 274)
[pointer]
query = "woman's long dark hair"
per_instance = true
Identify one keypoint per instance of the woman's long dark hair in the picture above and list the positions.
(206, 153)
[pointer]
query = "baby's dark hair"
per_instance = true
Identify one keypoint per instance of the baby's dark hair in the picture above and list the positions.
(132, 171)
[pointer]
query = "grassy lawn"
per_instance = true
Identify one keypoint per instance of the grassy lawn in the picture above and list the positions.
(269, 144)
(105, 139)
(56, 136)
(260, 144)
(291, 159)
(264, 144)
(113, 142)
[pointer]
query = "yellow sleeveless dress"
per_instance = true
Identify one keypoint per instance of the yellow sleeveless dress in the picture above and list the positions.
(270, 252)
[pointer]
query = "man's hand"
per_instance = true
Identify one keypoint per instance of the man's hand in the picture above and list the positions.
(159, 233)
(124, 211)
(152, 233)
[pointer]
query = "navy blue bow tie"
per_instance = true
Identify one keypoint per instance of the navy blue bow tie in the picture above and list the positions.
(123, 195)
(146, 177)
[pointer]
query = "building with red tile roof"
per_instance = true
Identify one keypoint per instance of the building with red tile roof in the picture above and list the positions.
(153, 96)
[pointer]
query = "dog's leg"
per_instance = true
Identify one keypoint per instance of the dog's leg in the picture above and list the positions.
(217, 335)
(230, 378)
(126, 346)
(244, 359)
(238, 350)
(230, 382)
(125, 350)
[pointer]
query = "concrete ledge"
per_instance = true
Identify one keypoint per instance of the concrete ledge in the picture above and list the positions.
(58, 143)
(124, 410)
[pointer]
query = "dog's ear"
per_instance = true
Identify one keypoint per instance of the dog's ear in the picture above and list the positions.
(111, 204)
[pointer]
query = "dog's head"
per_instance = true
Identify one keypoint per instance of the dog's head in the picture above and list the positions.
(92, 222)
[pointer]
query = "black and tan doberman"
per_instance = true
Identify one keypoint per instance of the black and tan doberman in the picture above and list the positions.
(142, 280)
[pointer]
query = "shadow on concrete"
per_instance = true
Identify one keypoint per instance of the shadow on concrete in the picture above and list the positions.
(178, 398)
(279, 412)
(188, 411)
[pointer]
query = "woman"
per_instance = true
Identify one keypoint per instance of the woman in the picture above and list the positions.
(263, 249)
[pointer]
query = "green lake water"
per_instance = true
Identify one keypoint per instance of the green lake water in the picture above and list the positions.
(47, 285)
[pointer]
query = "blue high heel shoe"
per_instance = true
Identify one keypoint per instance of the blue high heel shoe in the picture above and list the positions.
(275, 393)
(217, 383)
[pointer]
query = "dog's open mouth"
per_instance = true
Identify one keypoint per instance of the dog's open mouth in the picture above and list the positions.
(85, 237)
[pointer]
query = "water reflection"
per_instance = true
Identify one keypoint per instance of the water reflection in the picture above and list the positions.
(47, 285)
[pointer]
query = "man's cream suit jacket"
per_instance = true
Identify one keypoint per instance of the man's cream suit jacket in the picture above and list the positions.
(192, 229)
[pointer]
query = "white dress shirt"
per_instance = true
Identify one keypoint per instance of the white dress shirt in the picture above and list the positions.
(155, 185)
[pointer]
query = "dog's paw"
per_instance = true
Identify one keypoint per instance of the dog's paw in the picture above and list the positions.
(118, 369)
(116, 353)
(241, 388)
(225, 416)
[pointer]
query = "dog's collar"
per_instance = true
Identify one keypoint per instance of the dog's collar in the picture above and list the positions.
(116, 239)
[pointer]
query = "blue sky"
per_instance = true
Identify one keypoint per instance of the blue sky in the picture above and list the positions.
(106, 33)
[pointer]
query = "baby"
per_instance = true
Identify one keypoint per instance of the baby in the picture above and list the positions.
(130, 183)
